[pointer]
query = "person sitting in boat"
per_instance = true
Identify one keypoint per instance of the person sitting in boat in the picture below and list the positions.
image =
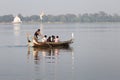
(49, 39)
(44, 39)
(57, 39)
(37, 33)
(53, 38)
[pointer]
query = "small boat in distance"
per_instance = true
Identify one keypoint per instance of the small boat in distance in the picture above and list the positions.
(17, 20)
(60, 44)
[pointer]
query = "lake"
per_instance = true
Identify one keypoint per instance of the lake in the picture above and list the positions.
(94, 55)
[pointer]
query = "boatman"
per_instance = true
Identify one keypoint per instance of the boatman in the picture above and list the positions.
(37, 33)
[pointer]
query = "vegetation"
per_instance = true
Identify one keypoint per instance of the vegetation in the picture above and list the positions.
(67, 18)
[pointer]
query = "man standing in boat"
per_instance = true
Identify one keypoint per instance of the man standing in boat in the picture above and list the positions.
(37, 33)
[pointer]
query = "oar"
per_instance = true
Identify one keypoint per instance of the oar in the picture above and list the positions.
(27, 34)
(72, 35)
(49, 45)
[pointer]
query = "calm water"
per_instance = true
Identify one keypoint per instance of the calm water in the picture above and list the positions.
(94, 55)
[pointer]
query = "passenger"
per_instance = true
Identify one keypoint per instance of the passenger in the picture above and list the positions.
(53, 38)
(49, 39)
(37, 33)
(44, 39)
(57, 39)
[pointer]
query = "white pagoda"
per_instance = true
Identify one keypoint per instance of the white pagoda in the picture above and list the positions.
(17, 20)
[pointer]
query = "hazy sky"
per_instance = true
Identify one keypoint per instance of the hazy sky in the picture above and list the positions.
(55, 7)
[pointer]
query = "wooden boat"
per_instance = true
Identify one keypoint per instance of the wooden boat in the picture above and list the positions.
(35, 43)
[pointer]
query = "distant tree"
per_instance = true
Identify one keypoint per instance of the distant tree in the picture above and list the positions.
(51, 18)
(6, 18)
(35, 18)
(66, 18)
(71, 18)
(62, 18)
(26, 19)
(115, 18)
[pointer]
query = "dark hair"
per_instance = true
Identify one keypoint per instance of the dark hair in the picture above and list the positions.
(38, 29)
(57, 36)
(45, 35)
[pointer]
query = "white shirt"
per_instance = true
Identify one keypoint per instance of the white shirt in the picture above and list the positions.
(56, 40)
(44, 39)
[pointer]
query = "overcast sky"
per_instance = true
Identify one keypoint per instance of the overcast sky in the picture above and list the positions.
(56, 7)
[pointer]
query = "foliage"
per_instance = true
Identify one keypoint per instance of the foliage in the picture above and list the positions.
(67, 18)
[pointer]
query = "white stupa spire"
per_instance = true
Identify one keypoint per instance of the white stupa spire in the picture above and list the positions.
(17, 20)
(41, 15)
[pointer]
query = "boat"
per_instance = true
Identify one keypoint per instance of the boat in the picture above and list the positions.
(61, 44)
(17, 20)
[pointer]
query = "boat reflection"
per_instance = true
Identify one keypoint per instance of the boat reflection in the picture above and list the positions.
(49, 63)
(48, 54)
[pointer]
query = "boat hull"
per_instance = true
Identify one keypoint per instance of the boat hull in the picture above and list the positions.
(51, 44)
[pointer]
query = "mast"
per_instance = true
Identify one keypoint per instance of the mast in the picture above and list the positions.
(41, 19)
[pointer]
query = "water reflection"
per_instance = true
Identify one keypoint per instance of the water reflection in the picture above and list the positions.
(16, 30)
(49, 54)
(50, 63)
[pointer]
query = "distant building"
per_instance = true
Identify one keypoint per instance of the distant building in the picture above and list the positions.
(17, 20)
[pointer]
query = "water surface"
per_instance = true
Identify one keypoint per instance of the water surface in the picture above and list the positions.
(94, 55)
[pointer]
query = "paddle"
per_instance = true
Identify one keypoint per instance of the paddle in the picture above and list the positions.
(72, 35)
(49, 45)
(27, 34)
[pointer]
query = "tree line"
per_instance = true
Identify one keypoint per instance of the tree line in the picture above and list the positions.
(66, 18)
